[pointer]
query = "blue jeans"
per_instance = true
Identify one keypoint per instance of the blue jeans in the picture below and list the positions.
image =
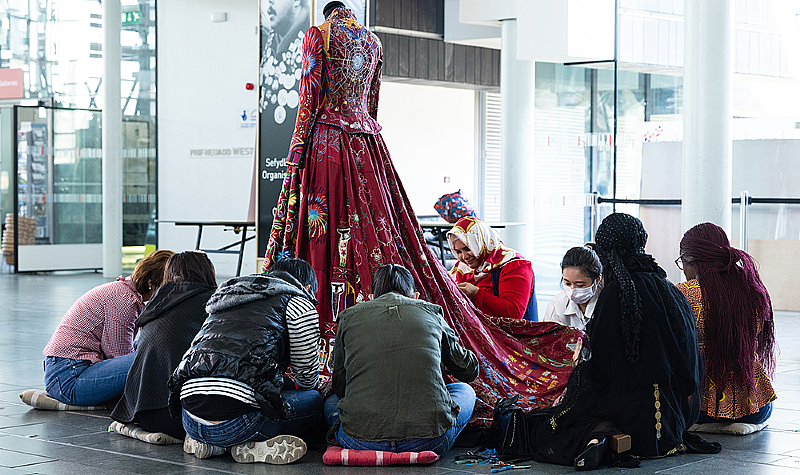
(756, 418)
(461, 393)
(256, 426)
(81, 383)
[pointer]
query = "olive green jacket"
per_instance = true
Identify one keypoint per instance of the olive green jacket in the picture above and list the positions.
(387, 369)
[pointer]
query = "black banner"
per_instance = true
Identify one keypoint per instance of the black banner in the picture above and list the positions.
(283, 24)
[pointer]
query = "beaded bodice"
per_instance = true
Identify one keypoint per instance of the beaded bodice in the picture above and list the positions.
(352, 54)
(340, 82)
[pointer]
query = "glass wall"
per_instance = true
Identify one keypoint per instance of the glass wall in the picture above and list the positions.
(625, 142)
(565, 142)
(65, 156)
(58, 196)
(58, 48)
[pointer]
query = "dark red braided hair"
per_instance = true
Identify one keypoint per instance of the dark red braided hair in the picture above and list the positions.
(737, 311)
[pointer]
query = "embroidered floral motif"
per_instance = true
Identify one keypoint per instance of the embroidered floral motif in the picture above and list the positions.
(317, 213)
(327, 144)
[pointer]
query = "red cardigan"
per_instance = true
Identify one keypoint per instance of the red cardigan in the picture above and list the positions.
(515, 291)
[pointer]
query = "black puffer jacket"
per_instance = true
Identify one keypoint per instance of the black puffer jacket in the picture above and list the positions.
(244, 339)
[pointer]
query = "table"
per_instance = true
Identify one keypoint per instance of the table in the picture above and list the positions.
(235, 226)
(440, 227)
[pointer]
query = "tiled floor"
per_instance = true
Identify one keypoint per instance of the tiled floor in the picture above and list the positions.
(34, 441)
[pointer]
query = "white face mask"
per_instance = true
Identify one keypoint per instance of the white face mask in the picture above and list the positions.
(581, 296)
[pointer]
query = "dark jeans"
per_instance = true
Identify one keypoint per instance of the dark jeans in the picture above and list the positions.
(256, 426)
(461, 393)
(756, 418)
(81, 383)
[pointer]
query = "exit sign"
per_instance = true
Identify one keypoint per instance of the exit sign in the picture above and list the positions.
(131, 18)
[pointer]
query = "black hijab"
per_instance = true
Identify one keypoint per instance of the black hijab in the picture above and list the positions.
(620, 241)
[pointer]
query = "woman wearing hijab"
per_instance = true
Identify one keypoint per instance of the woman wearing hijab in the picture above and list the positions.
(643, 376)
(497, 279)
(734, 327)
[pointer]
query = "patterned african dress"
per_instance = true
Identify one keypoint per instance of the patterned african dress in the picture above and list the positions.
(343, 209)
(728, 400)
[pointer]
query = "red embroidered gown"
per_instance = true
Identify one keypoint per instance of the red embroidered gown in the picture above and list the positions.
(343, 209)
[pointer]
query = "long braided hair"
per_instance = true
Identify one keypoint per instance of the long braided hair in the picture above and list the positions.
(620, 241)
(737, 311)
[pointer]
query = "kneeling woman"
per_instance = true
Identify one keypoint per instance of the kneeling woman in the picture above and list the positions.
(388, 359)
(91, 351)
(497, 279)
(734, 326)
(644, 369)
(167, 325)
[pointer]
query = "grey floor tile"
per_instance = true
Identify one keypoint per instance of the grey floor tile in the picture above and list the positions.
(46, 431)
(788, 462)
(720, 465)
(13, 458)
(67, 443)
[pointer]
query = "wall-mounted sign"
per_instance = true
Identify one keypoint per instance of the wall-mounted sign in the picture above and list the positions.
(222, 152)
(133, 17)
(11, 84)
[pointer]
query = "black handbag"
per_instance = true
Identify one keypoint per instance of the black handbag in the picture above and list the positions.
(508, 434)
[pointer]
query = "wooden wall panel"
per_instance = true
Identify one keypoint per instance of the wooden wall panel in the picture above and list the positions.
(469, 66)
(407, 57)
(403, 55)
(459, 60)
(422, 58)
(397, 19)
(416, 15)
(433, 59)
(448, 62)
(384, 13)
(428, 60)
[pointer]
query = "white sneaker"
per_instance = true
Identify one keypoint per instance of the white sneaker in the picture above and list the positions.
(201, 450)
(277, 450)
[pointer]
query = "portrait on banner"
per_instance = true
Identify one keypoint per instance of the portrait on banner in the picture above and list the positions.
(283, 24)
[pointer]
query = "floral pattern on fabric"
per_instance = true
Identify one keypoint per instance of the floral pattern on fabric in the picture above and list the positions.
(370, 223)
(453, 206)
(317, 213)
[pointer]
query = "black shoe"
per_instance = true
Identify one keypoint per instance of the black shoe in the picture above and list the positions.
(590, 458)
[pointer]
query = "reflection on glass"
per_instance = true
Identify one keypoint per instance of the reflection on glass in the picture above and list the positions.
(559, 209)
(60, 177)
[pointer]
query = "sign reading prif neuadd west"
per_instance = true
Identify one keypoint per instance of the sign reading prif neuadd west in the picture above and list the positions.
(283, 24)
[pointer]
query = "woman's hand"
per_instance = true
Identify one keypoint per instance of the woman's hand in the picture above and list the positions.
(576, 355)
(468, 289)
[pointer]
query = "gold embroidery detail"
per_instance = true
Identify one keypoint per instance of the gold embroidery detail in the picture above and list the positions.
(657, 394)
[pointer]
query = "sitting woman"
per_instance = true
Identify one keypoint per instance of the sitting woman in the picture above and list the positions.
(644, 371)
(497, 279)
(91, 351)
(387, 373)
(168, 325)
(580, 272)
(734, 326)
